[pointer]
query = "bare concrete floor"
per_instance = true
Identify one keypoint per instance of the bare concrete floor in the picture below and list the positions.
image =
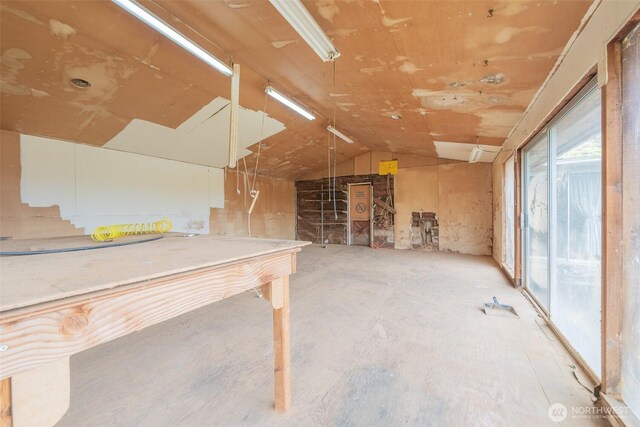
(379, 338)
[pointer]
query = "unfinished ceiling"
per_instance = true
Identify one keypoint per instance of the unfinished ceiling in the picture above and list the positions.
(455, 71)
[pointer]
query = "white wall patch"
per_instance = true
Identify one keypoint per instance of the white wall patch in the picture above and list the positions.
(94, 186)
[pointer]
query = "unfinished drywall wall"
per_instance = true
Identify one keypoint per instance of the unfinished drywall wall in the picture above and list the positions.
(460, 195)
(19, 220)
(465, 208)
(273, 215)
(95, 186)
(420, 187)
(368, 163)
(416, 191)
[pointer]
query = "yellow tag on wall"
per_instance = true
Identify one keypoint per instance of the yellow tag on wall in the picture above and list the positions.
(389, 167)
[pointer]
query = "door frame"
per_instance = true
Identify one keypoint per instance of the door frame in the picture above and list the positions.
(370, 211)
(524, 219)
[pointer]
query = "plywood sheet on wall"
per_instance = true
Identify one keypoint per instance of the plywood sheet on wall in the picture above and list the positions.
(273, 215)
(465, 208)
(416, 191)
(95, 186)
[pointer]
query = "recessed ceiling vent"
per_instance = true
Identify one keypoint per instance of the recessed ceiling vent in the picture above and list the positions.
(81, 83)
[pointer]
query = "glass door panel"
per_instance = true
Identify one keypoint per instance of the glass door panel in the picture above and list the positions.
(577, 225)
(509, 199)
(536, 221)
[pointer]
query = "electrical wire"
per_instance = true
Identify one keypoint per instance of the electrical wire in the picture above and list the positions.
(79, 248)
(252, 188)
(335, 151)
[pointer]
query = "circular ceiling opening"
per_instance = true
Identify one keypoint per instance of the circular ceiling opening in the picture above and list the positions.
(81, 83)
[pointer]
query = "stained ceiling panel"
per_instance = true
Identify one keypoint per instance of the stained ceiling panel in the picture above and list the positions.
(453, 71)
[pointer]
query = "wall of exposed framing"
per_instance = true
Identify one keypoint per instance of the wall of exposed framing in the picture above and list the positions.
(316, 217)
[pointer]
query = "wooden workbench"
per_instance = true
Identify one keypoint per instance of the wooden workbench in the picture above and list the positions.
(56, 305)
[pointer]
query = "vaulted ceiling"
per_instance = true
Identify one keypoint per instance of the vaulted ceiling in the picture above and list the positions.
(459, 71)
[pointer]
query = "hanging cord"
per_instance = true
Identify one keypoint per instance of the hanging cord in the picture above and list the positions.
(252, 189)
(264, 114)
(335, 151)
(329, 161)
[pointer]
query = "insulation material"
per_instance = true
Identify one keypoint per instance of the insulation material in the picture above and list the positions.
(459, 151)
(202, 139)
(94, 186)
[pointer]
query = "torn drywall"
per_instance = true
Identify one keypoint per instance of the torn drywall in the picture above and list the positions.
(202, 139)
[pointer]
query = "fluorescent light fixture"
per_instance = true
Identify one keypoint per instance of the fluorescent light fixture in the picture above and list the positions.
(289, 103)
(475, 154)
(163, 28)
(301, 20)
(339, 134)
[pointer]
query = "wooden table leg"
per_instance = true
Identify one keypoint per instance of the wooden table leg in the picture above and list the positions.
(282, 345)
(37, 397)
(5, 403)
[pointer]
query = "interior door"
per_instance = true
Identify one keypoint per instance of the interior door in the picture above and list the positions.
(360, 214)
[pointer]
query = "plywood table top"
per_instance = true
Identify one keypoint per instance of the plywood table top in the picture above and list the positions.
(32, 279)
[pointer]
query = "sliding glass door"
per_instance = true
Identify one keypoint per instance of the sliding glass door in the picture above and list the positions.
(576, 223)
(536, 219)
(562, 202)
(509, 212)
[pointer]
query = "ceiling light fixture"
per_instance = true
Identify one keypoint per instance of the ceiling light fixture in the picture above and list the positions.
(476, 153)
(301, 20)
(339, 134)
(163, 28)
(289, 103)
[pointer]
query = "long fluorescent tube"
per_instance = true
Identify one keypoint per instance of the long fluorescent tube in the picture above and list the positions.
(289, 103)
(339, 134)
(162, 27)
(475, 154)
(301, 20)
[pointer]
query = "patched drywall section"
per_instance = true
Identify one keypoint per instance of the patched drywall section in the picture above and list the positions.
(465, 208)
(95, 186)
(273, 215)
(202, 139)
(17, 219)
(416, 191)
(459, 194)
